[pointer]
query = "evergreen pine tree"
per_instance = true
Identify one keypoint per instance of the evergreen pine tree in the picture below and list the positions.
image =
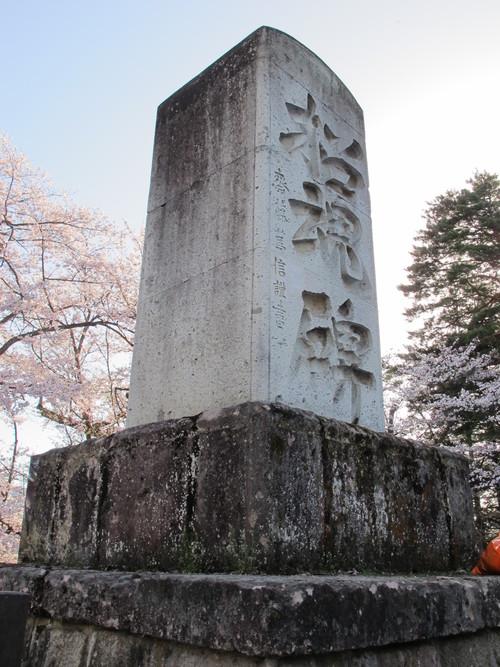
(454, 281)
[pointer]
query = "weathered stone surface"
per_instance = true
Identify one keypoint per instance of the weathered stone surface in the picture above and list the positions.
(148, 502)
(266, 616)
(258, 279)
(395, 498)
(96, 504)
(256, 487)
(63, 504)
(260, 496)
(82, 646)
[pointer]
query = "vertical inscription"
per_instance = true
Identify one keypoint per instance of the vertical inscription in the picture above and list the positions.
(326, 209)
(332, 347)
(281, 222)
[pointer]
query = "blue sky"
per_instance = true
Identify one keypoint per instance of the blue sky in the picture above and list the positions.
(81, 82)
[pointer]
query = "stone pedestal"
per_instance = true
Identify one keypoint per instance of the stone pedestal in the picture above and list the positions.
(262, 489)
(258, 487)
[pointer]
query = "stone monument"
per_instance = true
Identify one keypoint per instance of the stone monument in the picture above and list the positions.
(229, 523)
(258, 280)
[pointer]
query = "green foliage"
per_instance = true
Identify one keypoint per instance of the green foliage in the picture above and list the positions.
(454, 281)
(192, 552)
(236, 553)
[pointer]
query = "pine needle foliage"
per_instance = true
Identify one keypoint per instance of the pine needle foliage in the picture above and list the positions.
(454, 280)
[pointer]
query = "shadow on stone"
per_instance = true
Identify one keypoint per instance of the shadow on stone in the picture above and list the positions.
(14, 608)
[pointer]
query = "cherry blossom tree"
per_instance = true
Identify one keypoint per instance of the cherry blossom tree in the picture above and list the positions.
(69, 281)
(450, 398)
(12, 486)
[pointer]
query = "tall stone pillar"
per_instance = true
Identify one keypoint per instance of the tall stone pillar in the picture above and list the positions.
(258, 280)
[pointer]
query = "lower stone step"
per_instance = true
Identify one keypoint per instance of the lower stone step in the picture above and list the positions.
(262, 616)
(250, 617)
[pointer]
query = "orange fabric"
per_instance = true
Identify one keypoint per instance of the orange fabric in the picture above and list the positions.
(489, 561)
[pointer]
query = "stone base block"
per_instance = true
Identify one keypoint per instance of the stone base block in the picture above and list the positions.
(254, 488)
(49, 640)
(149, 619)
